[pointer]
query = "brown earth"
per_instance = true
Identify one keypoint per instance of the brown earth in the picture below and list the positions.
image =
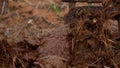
(33, 35)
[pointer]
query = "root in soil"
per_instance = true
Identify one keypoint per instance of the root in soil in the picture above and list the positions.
(91, 38)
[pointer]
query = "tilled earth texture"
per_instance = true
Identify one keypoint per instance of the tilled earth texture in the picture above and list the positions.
(47, 34)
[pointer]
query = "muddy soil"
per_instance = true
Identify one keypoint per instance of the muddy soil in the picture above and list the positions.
(33, 35)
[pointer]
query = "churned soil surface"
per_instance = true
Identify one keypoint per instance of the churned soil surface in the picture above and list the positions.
(34, 35)
(55, 51)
